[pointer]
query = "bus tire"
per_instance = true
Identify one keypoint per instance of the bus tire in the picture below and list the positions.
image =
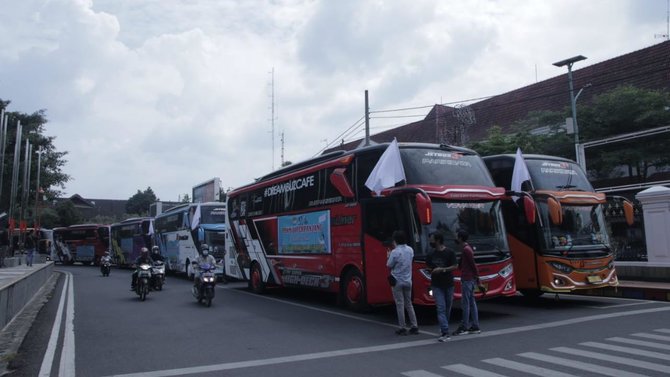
(256, 283)
(353, 291)
(531, 293)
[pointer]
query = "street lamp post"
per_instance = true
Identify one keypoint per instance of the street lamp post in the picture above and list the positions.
(569, 62)
(37, 189)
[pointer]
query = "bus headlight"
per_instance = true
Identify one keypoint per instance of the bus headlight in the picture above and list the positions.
(564, 268)
(506, 271)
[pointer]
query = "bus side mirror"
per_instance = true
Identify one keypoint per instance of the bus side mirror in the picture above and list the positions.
(555, 211)
(628, 212)
(425, 208)
(340, 182)
(529, 209)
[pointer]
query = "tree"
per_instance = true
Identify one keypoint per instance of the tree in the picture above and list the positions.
(186, 198)
(52, 178)
(67, 213)
(620, 111)
(140, 202)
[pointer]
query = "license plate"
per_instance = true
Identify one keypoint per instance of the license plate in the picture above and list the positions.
(594, 279)
(483, 285)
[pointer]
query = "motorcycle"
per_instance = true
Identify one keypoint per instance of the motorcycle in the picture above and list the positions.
(105, 265)
(143, 280)
(205, 290)
(158, 276)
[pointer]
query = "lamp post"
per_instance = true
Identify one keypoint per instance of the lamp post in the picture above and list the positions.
(37, 189)
(569, 62)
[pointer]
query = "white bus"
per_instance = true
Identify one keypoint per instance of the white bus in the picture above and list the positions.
(179, 242)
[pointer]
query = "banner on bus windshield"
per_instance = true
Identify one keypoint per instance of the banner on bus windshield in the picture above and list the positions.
(307, 233)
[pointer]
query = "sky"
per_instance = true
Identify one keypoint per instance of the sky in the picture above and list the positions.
(168, 94)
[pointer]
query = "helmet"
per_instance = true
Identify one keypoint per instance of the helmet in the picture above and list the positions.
(144, 250)
(154, 249)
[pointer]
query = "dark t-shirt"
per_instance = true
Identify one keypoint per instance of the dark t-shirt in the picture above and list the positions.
(441, 258)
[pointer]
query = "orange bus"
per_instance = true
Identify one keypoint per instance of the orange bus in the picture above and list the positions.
(568, 247)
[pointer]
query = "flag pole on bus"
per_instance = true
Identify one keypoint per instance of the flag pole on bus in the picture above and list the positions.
(520, 174)
(388, 171)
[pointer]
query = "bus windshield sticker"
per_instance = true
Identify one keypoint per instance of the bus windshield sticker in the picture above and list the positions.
(307, 233)
(557, 168)
(444, 158)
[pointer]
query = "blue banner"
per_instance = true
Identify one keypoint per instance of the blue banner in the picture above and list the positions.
(307, 233)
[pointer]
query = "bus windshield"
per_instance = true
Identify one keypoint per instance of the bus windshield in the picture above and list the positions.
(439, 167)
(582, 226)
(561, 175)
(213, 215)
(482, 220)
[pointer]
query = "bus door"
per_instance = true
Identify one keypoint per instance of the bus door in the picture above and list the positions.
(381, 217)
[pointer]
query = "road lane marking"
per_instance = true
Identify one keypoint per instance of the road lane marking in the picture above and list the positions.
(471, 371)
(621, 305)
(381, 348)
(653, 336)
(630, 350)
(640, 343)
(420, 373)
(594, 368)
(67, 366)
(47, 362)
(530, 369)
(614, 359)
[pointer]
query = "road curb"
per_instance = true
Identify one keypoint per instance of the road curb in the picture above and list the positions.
(15, 332)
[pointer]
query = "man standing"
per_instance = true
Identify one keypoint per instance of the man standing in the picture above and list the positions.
(469, 278)
(400, 264)
(30, 247)
(441, 262)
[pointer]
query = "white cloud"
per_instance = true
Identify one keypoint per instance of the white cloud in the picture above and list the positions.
(167, 93)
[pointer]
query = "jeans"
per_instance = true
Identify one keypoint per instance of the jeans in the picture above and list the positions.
(443, 300)
(29, 257)
(469, 305)
(402, 294)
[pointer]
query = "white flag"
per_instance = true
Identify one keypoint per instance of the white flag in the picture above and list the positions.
(151, 228)
(520, 173)
(388, 171)
(195, 221)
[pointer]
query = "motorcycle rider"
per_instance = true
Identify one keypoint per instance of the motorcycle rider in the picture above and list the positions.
(105, 259)
(203, 258)
(144, 258)
(156, 255)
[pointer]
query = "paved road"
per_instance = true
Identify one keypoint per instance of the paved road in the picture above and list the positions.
(105, 330)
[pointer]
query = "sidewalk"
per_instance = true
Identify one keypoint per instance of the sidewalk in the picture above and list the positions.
(643, 290)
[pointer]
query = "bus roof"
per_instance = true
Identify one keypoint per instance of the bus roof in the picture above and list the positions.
(79, 226)
(329, 157)
(185, 206)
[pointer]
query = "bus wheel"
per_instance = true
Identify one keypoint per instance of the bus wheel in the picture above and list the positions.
(256, 283)
(353, 291)
(531, 293)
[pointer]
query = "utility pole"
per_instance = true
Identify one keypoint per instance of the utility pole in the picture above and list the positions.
(282, 148)
(367, 120)
(3, 142)
(569, 62)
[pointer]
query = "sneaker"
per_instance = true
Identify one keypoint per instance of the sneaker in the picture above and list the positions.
(414, 331)
(444, 337)
(460, 331)
(401, 331)
(474, 330)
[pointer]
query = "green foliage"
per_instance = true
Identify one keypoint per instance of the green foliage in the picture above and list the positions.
(67, 214)
(140, 202)
(623, 110)
(186, 198)
(52, 178)
(49, 218)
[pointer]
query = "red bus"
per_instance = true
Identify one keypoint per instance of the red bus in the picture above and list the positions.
(315, 224)
(84, 243)
(568, 247)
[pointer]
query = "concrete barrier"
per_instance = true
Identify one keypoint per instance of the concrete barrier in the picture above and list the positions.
(19, 287)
